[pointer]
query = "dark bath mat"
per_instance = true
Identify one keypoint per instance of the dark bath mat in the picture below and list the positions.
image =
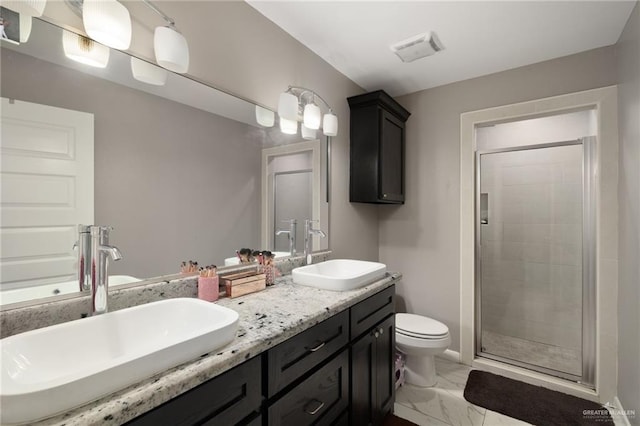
(532, 404)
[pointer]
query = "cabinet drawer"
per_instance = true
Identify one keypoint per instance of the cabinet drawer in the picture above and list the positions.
(293, 358)
(224, 400)
(319, 400)
(371, 311)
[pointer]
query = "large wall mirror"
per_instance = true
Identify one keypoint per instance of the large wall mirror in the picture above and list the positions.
(176, 169)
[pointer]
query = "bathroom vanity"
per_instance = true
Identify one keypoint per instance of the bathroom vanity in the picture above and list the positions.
(302, 355)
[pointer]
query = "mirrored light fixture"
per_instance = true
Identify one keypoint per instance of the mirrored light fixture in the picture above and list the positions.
(289, 127)
(148, 73)
(84, 50)
(26, 7)
(107, 22)
(299, 103)
(307, 133)
(265, 117)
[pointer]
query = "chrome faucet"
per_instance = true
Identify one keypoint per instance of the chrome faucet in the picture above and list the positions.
(309, 232)
(100, 252)
(83, 247)
(291, 234)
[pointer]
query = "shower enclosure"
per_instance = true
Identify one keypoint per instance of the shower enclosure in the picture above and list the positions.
(535, 278)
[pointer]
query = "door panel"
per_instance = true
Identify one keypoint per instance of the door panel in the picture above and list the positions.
(530, 264)
(47, 189)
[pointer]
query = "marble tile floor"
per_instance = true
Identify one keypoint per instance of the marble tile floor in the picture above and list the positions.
(444, 404)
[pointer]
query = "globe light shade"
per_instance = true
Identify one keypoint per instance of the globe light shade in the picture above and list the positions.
(25, 27)
(288, 106)
(289, 127)
(84, 50)
(312, 116)
(307, 133)
(330, 125)
(172, 50)
(26, 7)
(265, 117)
(107, 22)
(148, 73)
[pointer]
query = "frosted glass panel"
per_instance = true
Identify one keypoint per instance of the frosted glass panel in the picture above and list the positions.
(531, 257)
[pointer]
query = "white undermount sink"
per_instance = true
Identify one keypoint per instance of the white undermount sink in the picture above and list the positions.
(339, 274)
(53, 369)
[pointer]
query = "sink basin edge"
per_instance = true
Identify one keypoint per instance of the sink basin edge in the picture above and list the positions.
(32, 400)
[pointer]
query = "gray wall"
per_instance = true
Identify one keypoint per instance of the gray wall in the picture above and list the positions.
(421, 238)
(175, 182)
(628, 61)
(236, 49)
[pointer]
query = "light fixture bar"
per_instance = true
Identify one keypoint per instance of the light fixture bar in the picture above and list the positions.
(76, 7)
(153, 7)
(304, 91)
(292, 106)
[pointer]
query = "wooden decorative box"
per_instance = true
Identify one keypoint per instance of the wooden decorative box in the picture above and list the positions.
(243, 283)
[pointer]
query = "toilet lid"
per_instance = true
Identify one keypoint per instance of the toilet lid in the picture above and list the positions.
(419, 326)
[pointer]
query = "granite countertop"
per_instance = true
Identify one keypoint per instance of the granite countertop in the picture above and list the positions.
(267, 318)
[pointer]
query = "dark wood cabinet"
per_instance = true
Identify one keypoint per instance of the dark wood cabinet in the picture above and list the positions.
(373, 359)
(377, 149)
(233, 398)
(293, 358)
(338, 372)
(321, 399)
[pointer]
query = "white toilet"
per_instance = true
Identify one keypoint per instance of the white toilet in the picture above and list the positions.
(420, 338)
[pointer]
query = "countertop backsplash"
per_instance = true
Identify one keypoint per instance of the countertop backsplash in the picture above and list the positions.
(26, 316)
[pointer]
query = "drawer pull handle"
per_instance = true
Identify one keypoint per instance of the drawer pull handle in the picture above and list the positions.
(376, 334)
(381, 330)
(313, 412)
(317, 347)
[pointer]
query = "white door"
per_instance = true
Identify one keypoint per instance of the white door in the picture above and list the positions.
(47, 190)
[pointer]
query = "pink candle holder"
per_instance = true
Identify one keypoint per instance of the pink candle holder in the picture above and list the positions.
(208, 288)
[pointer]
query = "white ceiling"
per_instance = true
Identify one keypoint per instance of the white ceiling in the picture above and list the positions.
(480, 37)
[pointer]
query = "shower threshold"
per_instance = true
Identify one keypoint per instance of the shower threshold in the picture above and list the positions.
(557, 361)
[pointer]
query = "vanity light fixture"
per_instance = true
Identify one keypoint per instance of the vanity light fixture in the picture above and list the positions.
(148, 73)
(170, 46)
(84, 50)
(265, 117)
(26, 21)
(300, 103)
(107, 22)
(26, 7)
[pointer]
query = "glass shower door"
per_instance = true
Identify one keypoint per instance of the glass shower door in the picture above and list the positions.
(530, 208)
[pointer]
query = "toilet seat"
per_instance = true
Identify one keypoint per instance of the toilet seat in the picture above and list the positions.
(419, 327)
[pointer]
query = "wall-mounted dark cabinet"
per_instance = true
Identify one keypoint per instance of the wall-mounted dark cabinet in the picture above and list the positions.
(377, 149)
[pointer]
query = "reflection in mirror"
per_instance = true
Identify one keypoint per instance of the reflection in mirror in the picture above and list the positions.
(174, 169)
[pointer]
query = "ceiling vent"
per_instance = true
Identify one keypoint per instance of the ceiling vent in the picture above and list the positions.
(418, 47)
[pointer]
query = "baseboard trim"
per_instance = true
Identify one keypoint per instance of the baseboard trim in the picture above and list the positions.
(450, 355)
(619, 415)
